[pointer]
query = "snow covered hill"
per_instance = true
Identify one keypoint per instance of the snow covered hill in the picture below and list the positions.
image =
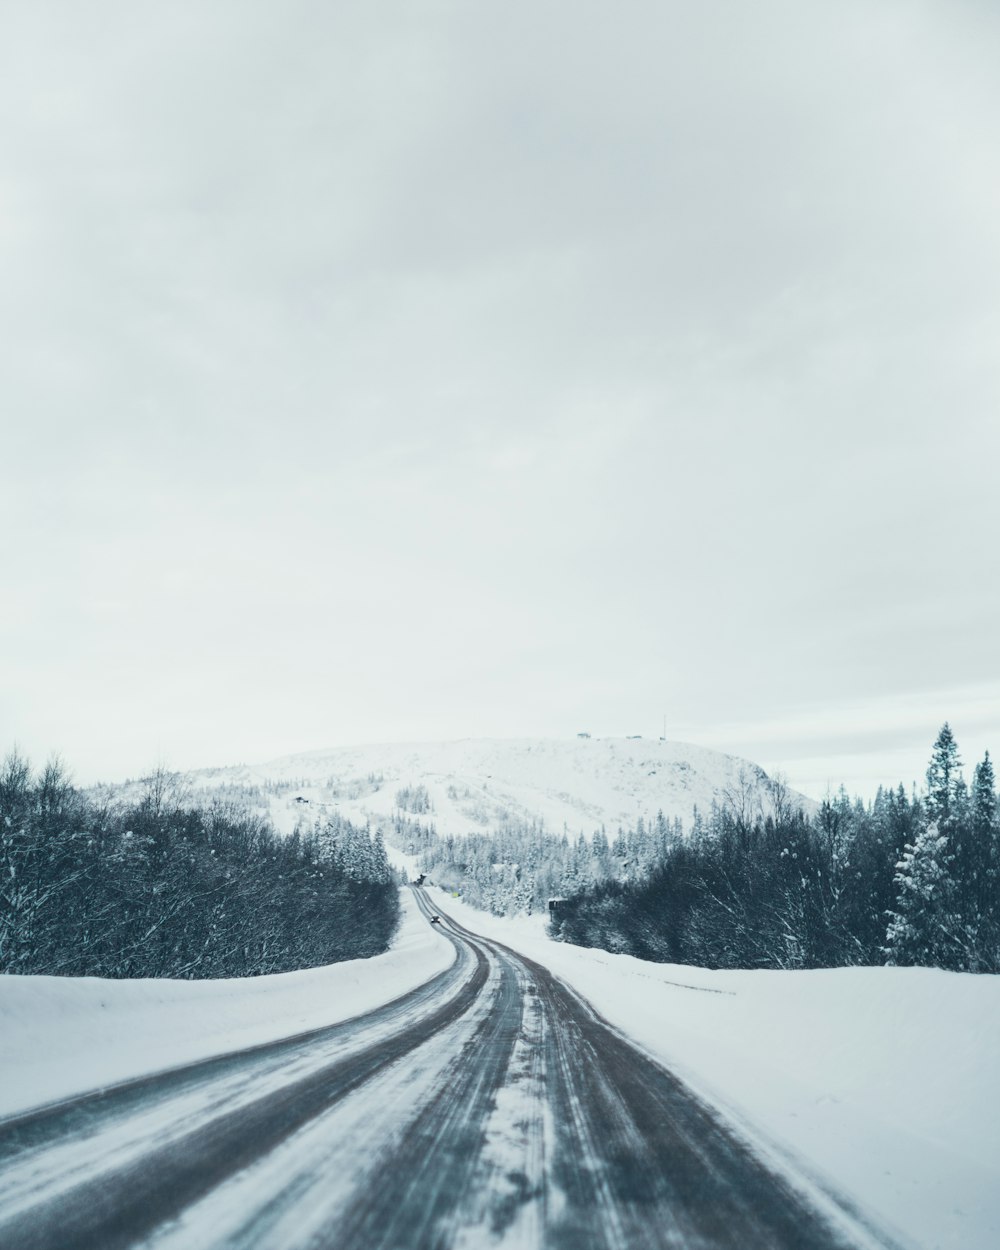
(576, 785)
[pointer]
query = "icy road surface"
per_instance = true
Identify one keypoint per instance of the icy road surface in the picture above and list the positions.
(490, 1106)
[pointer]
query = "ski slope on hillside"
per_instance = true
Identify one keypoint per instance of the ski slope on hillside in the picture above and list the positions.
(575, 785)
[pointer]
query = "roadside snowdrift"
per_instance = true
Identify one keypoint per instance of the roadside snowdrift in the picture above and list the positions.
(61, 1036)
(880, 1083)
(883, 1082)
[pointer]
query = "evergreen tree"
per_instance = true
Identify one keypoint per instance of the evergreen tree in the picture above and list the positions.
(944, 780)
(923, 926)
(984, 796)
(984, 822)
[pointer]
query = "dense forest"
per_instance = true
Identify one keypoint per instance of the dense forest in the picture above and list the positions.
(905, 880)
(157, 884)
(162, 887)
(755, 882)
(519, 867)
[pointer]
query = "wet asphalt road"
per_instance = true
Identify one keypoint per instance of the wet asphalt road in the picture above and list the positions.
(490, 1107)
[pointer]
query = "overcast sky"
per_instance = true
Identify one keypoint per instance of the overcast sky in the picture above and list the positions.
(376, 372)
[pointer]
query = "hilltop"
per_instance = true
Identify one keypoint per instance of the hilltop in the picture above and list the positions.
(577, 785)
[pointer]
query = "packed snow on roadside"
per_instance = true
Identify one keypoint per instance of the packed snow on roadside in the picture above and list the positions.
(879, 1084)
(882, 1084)
(61, 1036)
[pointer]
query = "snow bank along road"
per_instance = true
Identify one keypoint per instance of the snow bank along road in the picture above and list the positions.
(489, 1106)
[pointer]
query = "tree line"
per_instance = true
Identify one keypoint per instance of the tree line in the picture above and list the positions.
(905, 880)
(161, 886)
(518, 867)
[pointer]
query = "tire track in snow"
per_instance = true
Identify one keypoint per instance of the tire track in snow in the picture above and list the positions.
(493, 1108)
(104, 1170)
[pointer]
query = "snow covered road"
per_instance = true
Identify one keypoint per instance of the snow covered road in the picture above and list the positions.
(490, 1106)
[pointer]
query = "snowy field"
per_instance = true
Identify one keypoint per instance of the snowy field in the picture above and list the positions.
(883, 1083)
(65, 1035)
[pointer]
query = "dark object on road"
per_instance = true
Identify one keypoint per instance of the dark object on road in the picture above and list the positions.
(435, 919)
(421, 879)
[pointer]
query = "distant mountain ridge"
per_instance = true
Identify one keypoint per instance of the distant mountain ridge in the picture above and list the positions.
(574, 785)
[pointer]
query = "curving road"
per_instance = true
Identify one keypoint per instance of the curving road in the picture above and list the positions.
(490, 1107)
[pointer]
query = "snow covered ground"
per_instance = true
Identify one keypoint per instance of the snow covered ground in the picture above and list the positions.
(576, 784)
(66, 1035)
(881, 1082)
